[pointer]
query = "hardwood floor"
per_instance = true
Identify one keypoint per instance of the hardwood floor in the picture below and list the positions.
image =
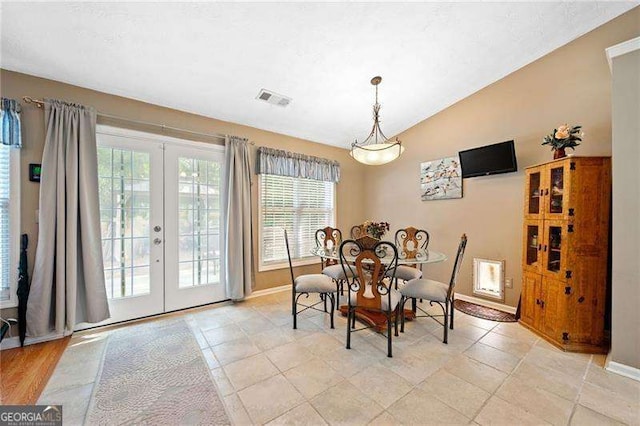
(24, 372)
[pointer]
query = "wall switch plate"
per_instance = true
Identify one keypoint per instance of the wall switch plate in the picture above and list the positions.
(508, 283)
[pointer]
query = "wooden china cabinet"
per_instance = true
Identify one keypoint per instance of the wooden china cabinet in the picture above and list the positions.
(565, 251)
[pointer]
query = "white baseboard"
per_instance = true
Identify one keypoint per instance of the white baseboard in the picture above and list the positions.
(14, 342)
(266, 291)
(489, 304)
(622, 369)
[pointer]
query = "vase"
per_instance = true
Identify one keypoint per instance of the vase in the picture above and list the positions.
(559, 153)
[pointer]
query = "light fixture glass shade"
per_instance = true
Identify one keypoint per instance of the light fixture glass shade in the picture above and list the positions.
(376, 149)
(377, 154)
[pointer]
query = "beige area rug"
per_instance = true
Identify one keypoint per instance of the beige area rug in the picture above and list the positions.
(154, 373)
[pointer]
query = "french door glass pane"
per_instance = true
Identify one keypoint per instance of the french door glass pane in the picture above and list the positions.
(124, 220)
(198, 222)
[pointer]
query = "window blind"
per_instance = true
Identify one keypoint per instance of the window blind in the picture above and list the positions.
(5, 239)
(301, 206)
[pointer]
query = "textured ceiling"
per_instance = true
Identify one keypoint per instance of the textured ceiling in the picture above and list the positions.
(213, 58)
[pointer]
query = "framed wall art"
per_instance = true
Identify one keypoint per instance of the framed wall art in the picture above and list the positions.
(441, 179)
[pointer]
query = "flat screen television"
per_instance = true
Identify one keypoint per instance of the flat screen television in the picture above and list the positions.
(489, 160)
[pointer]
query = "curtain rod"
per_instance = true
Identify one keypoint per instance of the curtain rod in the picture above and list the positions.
(40, 104)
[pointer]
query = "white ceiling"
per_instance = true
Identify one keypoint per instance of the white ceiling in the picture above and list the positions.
(213, 58)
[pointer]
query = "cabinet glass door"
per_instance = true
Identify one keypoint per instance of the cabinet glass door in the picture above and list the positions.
(557, 191)
(533, 201)
(554, 248)
(554, 244)
(533, 245)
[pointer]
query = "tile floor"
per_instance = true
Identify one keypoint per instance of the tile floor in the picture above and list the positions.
(267, 373)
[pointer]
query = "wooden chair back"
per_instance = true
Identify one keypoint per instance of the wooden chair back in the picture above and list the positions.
(328, 238)
(367, 259)
(410, 242)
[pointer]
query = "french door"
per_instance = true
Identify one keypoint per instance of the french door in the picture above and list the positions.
(193, 248)
(160, 202)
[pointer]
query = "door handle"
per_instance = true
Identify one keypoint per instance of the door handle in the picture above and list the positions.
(157, 241)
(157, 228)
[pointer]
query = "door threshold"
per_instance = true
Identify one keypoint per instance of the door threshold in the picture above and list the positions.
(153, 317)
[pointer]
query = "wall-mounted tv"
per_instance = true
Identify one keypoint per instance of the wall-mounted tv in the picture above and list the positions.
(489, 160)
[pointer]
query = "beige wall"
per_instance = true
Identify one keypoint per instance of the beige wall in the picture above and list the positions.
(350, 204)
(625, 338)
(572, 85)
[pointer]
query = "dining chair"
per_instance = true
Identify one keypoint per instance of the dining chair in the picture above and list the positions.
(435, 292)
(370, 294)
(330, 238)
(304, 285)
(410, 243)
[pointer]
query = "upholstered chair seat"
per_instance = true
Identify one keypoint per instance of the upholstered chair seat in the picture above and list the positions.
(427, 289)
(314, 283)
(336, 272)
(405, 273)
(395, 299)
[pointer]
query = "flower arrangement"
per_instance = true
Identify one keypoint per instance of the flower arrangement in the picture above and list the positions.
(376, 229)
(564, 136)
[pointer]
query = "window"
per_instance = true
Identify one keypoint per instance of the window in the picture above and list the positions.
(301, 206)
(9, 224)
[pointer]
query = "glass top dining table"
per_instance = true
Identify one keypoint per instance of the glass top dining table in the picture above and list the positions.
(422, 256)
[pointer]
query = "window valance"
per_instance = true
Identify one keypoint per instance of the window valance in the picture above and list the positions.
(284, 163)
(11, 131)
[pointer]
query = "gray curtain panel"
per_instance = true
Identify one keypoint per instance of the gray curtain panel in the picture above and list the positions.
(68, 281)
(284, 163)
(237, 219)
(10, 127)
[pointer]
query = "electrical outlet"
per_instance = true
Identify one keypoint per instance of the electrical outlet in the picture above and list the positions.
(508, 283)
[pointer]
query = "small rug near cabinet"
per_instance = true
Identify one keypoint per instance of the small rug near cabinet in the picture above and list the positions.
(483, 312)
(154, 373)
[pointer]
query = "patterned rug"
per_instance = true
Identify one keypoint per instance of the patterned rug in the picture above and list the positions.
(154, 373)
(483, 312)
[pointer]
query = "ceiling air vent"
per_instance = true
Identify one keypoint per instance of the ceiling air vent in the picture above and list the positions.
(273, 98)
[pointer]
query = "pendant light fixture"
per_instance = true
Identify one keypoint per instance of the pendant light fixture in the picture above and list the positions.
(376, 149)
